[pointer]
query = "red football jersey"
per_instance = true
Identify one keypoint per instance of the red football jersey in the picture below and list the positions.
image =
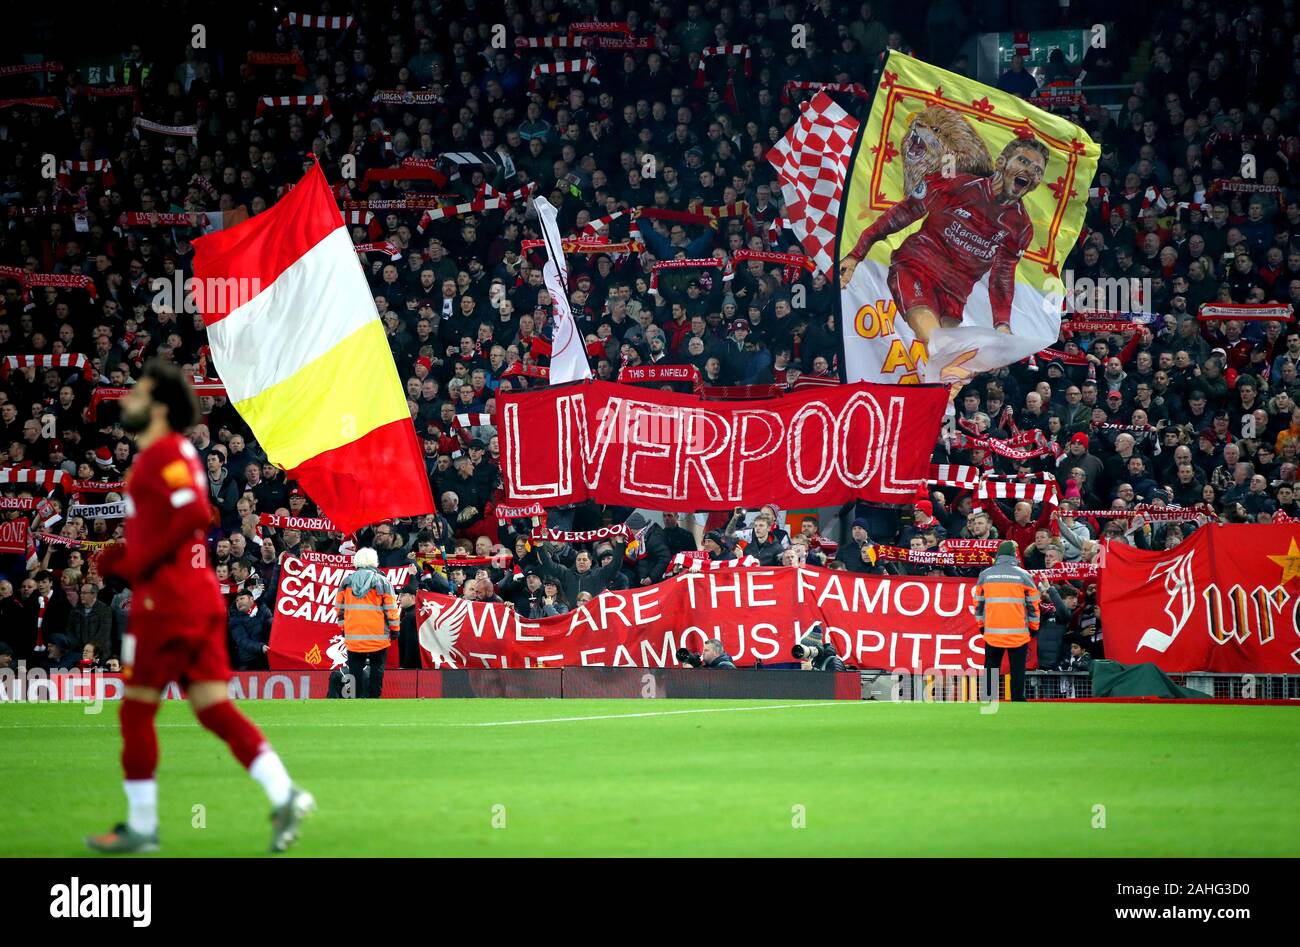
(967, 232)
(165, 557)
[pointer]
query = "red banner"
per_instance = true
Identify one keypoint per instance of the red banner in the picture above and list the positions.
(604, 442)
(1225, 599)
(304, 630)
(885, 622)
(13, 537)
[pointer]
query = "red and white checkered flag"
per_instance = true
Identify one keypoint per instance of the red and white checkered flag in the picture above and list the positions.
(812, 162)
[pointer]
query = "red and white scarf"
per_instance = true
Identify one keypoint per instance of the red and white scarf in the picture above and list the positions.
(443, 213)
(548, 42)
(34, 101)
(98, 166)
(507, 198)
(1214, 312)
(175, 131)
(310, 524)
(311, 21)
(795, 264)
(47, 361)
(619, 531)
(392, 250)
(1030, 444)
(651, 374)
(586, 65)
(800, 85)
(965, 476)
(56, 280)
(738, 49)
(697, 561)
(702, 264)
(1065, 571)
(291, 58)
(1037, 488)
(26, 68)
(600, 26)
(294, 101)
(153, 218)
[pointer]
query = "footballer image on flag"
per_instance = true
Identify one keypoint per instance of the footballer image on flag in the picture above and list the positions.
(960, 207)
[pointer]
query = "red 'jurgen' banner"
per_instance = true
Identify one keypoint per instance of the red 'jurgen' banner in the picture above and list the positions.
(1225, 599)
(304, 629)
(888, 622)
(820, 447)
(13, 536)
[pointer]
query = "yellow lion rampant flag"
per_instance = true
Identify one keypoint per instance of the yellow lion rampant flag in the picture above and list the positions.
(961, 205)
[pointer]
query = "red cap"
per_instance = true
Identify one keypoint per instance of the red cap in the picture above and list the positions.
(296, 492)
(426, 362)
(1080, 438)
(926, 507)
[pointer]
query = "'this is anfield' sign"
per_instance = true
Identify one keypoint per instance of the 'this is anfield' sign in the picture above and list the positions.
(889, 622)
(1225, 599)
(304, 629)
(826, 446)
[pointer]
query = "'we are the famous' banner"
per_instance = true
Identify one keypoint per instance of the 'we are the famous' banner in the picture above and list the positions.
(630, 447)
(960, 208)
(888, 622)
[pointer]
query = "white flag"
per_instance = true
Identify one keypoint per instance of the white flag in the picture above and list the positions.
(568, 350)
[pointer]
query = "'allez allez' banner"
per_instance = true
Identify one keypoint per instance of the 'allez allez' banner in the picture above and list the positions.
(826, 446)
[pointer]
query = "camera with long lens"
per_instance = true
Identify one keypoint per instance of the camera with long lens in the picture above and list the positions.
(693, 658)
(806, 652)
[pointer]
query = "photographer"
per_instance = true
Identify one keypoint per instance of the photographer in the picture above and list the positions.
(814, 654)
(712, 658)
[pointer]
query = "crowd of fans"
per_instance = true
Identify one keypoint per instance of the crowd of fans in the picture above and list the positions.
(1178, 412)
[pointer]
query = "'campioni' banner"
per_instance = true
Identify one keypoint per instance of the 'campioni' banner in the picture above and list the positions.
(1225, 599)
(304, 633)
(960, 208)
(874, 621)
(822, 447)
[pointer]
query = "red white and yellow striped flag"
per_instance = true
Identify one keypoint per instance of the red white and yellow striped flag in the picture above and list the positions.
(298, 342)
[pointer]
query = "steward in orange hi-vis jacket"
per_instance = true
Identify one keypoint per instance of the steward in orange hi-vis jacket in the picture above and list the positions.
(369, 618)
(1006, 607)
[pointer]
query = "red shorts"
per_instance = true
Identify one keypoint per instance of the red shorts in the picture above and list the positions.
(185, 649)
(914, 287)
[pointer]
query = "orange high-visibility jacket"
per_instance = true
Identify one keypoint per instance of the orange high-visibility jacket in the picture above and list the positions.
(367, 620)
(1006, 603)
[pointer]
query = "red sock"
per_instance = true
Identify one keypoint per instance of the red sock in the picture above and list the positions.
(139, 739)
(240, 733)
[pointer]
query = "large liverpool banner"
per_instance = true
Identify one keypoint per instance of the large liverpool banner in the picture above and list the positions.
(959, 209)
(633, 447)
(1225, 599)
(888, 622)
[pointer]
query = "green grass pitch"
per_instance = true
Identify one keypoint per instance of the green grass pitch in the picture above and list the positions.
(457, 777)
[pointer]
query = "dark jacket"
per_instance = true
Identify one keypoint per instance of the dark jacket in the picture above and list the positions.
(594, 581)
(723, 662)
(250, 632)
(57, 611)
(408, 639)
(93, 625)
(658, 554)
